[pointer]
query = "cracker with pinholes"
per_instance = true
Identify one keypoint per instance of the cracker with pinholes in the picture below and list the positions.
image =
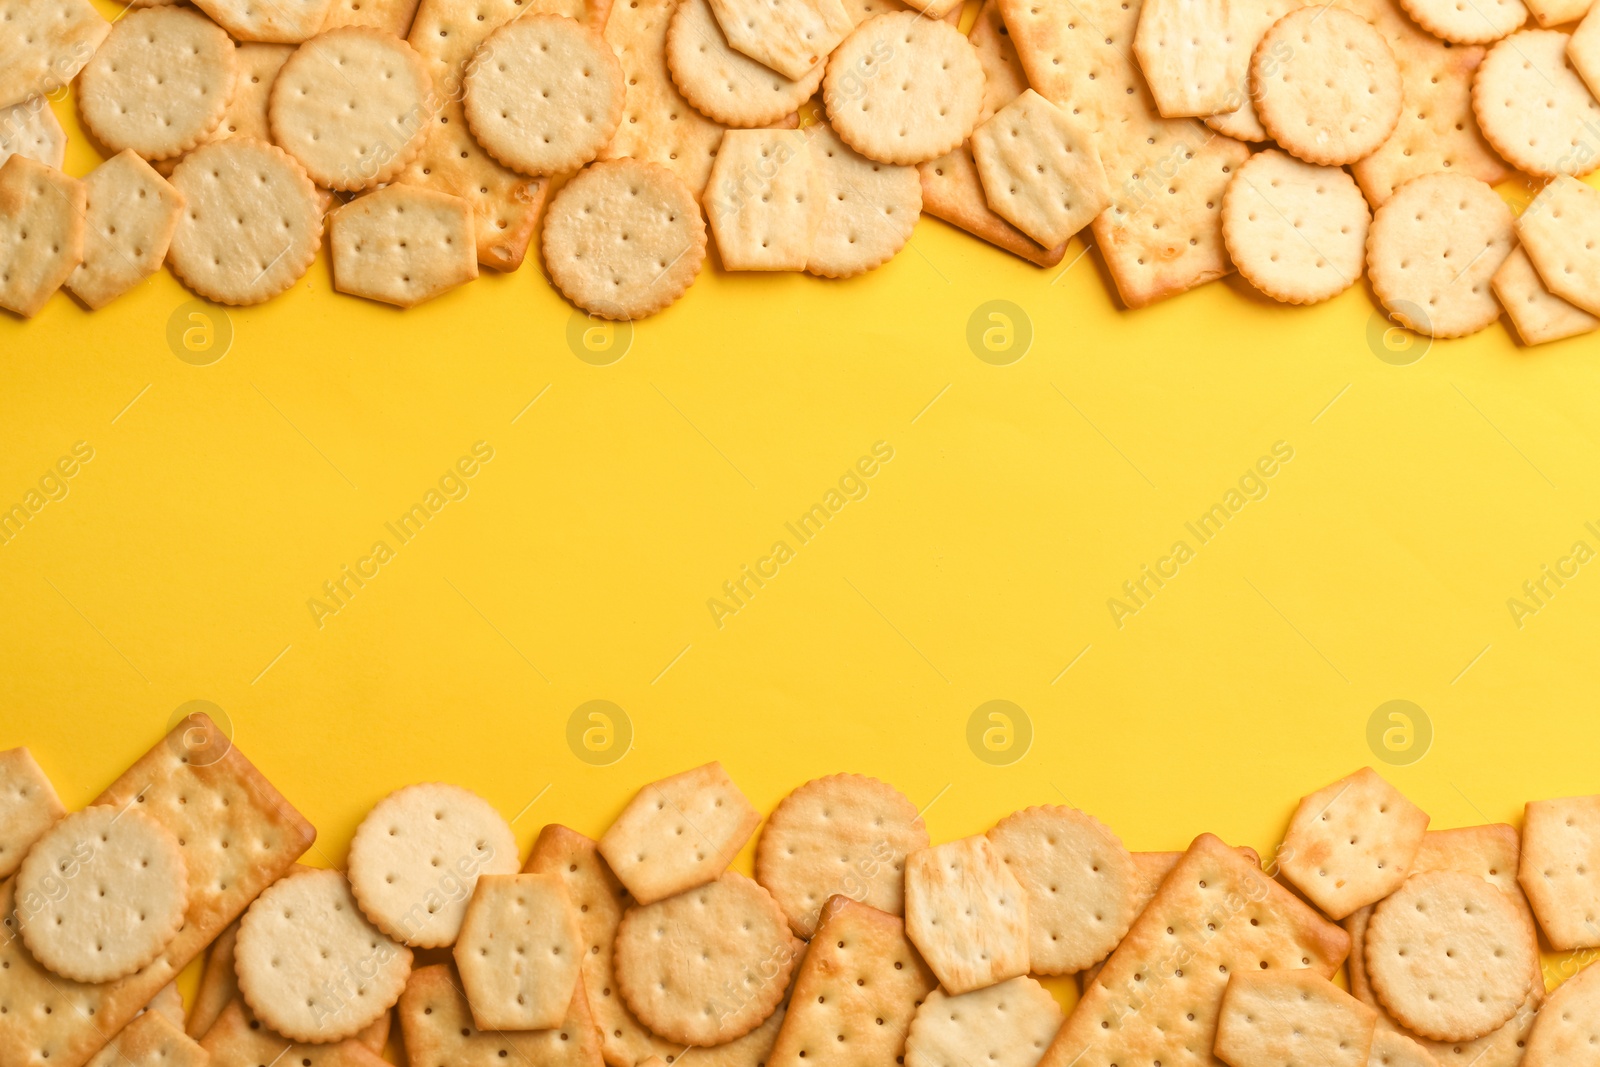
(761, 208)
(353, 106)
(1549, 13)
(45, 45)
(403, 245)
(279, 22)
(1560, 867)
(751, 1050)
(418, 854)
(1352, 842)
(857, 992)
(726, 84)
(903, 89)
(845, 833)
(252, 91)
(868, 208)
(681, 831)
(967, 914)
(1478, 22)
(1295, 231)
(132, 214)
(237, 1039)
(544, 94)
(1196, 56)
(1009, 1024)
(152, 1040)
(1274, 1018)
(793, 39)
(1561, 231)
(218, 985)
(438, 1028)
(1391, 1048)
(1533, 107)
(31, 129)
(41, 233)
(519, 952)
(390, 16)
(1336, 96)
(28, 806)
(1039, 169)
(708, 965)
(1567, 1033)
(1583, 51)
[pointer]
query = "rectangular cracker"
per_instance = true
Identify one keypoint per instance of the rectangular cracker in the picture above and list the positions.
(1162, 234)
(759, 200)
(680, 832)
(28, 806)
(238, 1040)
(203, 789)
(152, 1040)
(390, 16)
(438, 1029)
(1158, 995)
(45, 44)
(218, 985)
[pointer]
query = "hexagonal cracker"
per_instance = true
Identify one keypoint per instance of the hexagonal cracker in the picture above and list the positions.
(679, 833)
(41, 233)
(1560, 869)
(403, 245)
(1284, 1018)
(133, 213)
(45, 44)
(519, 952)
(1352, 843)
(967, 914)
(791, 38)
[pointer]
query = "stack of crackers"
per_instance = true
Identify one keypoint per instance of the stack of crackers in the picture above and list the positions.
(856, 942)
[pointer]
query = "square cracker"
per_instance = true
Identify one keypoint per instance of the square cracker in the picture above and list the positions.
(1162, 234)
(236, 1039)
(41, 233)
(1560, 869)
(132, 215)
(1351, 843)
(1292, 1018)
(1039, 169)
(45, 44)
(1157, 998)
(152, 1040)
(238, 835)
(759, 200)
(680, 832)
(438, 1029)
(1561, 231)
(856, 992)
(1538, 314)
(390, 16)
(967, 914)
(791, 38)
(28, 806)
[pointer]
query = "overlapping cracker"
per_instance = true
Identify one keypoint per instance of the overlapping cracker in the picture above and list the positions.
(1561, 231)
(1352, 842)
(1009, 1024)
(751, 1050)
(1391, 1048)
(761, 209)
(1196, 55)
(390, 16)
(438, 1029)
(153, 1040)
(403, 245)
(519, 952)
(45, 45)
(218, 986)
(1039, 170)
(31, 129)
(132, 214)
(1560, 866)
(725, 84)
(237, 1039)
(1326, 85)
(41, 237)
(868, 208)
(28, 806)
(277, 21)
(1534, 108)
(1272, 1018)
(681, 831)
(1567, 1033)
(1296, 231)
(967, 914)
(793, 39)
(1479, 22)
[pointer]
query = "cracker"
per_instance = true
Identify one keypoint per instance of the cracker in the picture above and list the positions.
(41, 233)
(390, 16)
(1006, 1025)
(28, 807)
(1290, 1017)
(793, 39)
(600, 900)
(519, 952)
(1039, 169)
(1326, 85)
(309, 963)
(418, 854)
(967, 914)
(681, 831)
(845, 834)
(31, 129)
(1533, 107)
(1538, 314)
(868, 208)
(45, 45)
(238, 834)
(1583, 51)
(1352, 842)
(252, 90)
(438, 1029)
(231, 261)
(1391, 1048)
(857, 992)
(1450, 956)
(403, 245)
(1295, 231)
(761, 209)
(152, 1040)
(723, 83)
(168, 1002)
(708, 965)
(903, 89)
(1431, 250)
(353, 105)
(658, 125)
(218, 986)
(1561, 838)
(132, 215)
(1196, 56)
(238, 1039)
(1561, 231)
(273, 21)
(1549, 13)
(1478, 22)
(751, 1050)
(1159, 993)
(1566, 1034)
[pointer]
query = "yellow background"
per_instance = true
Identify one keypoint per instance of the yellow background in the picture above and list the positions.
(978, 566)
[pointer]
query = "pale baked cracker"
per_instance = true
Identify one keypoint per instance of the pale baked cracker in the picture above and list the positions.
(438, 1029)
(403, 245)
(967, 914)
(1039, 169)
(868, 208)
(28, 806)
(844, 834)
(31, 129)
(1583, 51)
(519, 952)
(1352, 842)
(1195, 55)
(1225, 915)
(759, 202)
(447, 33)
(1533, 107)
(708, 965)
(1561, 838)
(684, 830)
(1561, 231)
(724, 84)
(1549, 13)
(1295, 231)
(1567, 1033)
(276, 21)
(237, 1039)
(132, 214)
(793, 39)
(1337, 96)
(168, 1002)
(658, 124)
(1468, 21)
(41, 235)
(1285, 1018)
(1538, 314)
(153, 1040)
(390, 16)
(417, 855)
(218, 985)
(1009, 1024)
(238, 834)
(1162, 234)
(751, 1050)
(1391, 1048)
(247, 109)
(857, 992)
(247, 262)
(45, 45)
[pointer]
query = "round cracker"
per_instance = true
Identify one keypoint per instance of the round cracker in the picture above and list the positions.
(543, 94)
(903, 88)
(725, 84)
(708, 965)
(846, 833)
(353, 105)
(624, 239)
(417, 856)
(1432, 250)
(160, 84)
(1081, 882)
(868, 208)
(1294, 230)
(310, 964)
(1467, 21)
(1326, 85)
(1566, 1032)
(113, 888)
(251, 223)
(1534, 108)
(1450, 955)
